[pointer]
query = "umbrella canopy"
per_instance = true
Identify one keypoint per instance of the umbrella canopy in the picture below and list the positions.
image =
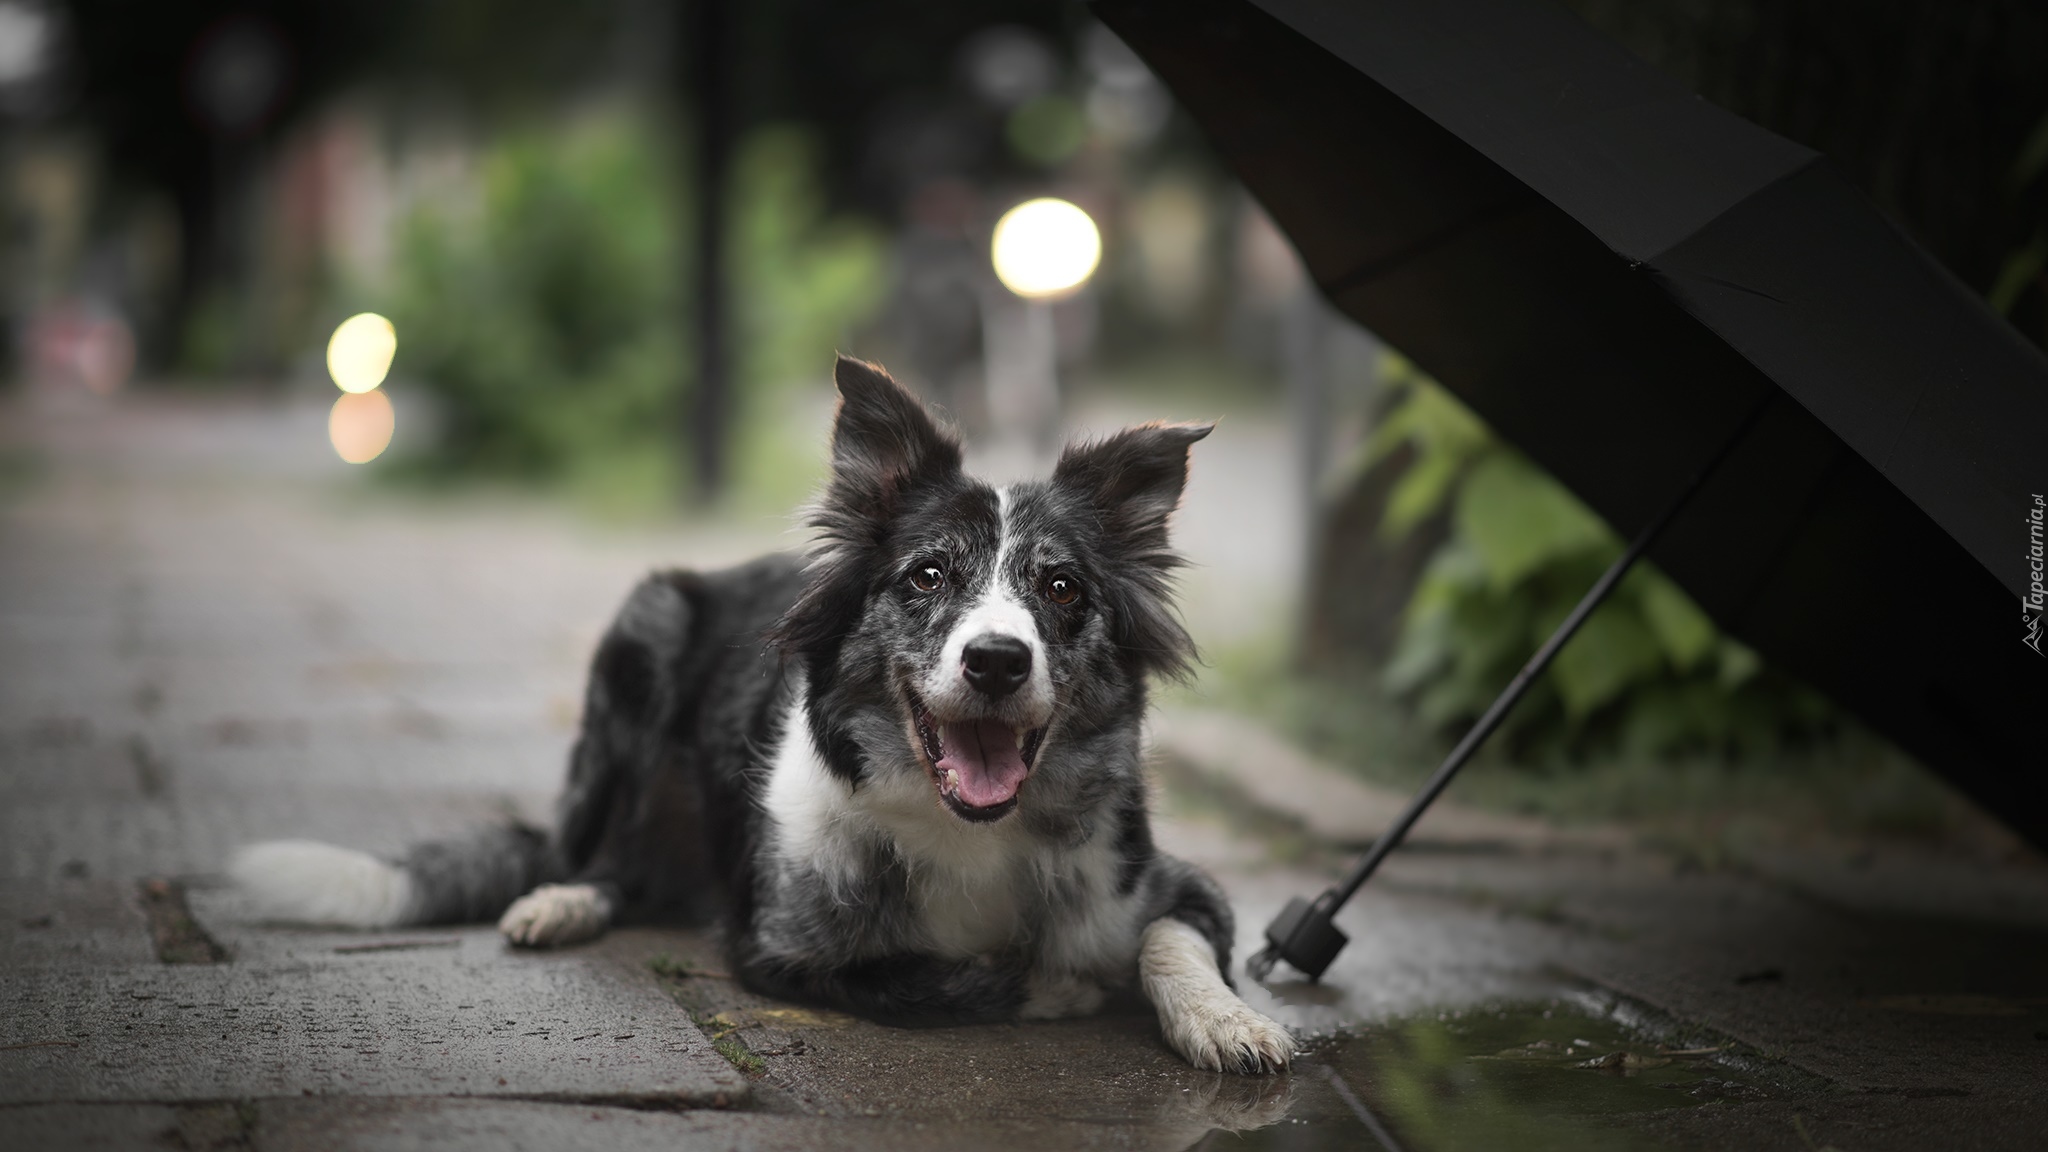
(1615, 274)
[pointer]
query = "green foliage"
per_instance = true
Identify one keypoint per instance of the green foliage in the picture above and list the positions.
(544, 323)
(549, 320)
(806, 281)
(1648, 673)
(206, 346)
(1047, 130)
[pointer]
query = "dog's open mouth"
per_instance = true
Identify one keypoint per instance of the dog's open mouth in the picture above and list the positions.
(978, 765)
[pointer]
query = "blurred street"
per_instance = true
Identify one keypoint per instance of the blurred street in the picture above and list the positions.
(212, 632)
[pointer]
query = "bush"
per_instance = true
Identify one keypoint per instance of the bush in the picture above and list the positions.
(544, 322)
(1648, 672)
(548, 320)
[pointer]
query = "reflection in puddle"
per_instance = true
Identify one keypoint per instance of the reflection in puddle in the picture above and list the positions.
(1562, 1075)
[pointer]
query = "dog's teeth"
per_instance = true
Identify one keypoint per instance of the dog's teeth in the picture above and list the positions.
(1017, 738)
(953, 778)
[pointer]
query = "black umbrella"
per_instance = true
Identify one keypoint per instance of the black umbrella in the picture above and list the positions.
(1696, 325)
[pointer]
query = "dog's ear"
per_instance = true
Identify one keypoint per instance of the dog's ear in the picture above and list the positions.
(1133, 481)
(883, 440)
(884, 444)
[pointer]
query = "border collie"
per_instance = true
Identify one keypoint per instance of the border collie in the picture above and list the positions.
(905, 776)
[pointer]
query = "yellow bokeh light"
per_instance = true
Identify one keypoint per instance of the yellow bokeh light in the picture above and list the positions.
(360, 426)
(359, 353)
(1045, 248)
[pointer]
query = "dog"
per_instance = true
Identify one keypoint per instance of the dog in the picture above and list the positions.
(904, 776)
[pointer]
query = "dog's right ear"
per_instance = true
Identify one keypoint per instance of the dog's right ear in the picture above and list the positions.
(884, 444)
(883, 441)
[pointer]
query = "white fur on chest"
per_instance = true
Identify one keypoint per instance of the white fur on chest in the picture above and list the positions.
(975, 889)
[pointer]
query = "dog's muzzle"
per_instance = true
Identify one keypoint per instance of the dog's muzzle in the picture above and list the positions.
(979, 765)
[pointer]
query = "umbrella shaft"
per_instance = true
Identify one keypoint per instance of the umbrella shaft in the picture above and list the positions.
(1398, 830)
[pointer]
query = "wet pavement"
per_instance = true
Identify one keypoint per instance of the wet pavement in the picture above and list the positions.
(209, 633)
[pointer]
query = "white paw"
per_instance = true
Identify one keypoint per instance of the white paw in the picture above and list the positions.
(1056, 998)
(1202, 1018)
(555, 914)
(1230, 1038)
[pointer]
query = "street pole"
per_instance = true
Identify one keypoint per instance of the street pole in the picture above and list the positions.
(709, 415)
(1042, 250)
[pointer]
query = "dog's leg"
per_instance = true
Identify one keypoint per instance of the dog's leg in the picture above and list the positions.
(557, 914)
(1202, 1018)
(1059, 998)
(908, 990)
(625, 711)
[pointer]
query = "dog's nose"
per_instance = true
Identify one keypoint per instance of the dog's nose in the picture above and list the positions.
(996, 665)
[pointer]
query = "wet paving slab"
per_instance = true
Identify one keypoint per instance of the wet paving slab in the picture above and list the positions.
(1572, 1072)
(187, 666)
(1423, 1039)
(1577, 1068)
(301, 1013)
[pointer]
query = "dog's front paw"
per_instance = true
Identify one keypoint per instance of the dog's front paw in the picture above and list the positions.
(1202, 1018)
(1222, 1036)
(554, 914)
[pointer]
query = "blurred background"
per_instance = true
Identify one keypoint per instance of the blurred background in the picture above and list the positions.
(616, 243)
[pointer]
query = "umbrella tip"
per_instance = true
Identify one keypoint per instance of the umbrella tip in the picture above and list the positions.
(1303, 935)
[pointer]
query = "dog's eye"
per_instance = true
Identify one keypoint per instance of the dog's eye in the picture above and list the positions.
(927, 579)
(1063, 589)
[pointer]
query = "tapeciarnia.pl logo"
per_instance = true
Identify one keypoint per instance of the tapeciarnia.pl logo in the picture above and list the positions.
(2036, 599)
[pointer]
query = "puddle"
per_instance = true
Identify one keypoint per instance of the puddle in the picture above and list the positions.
(1563, 1074)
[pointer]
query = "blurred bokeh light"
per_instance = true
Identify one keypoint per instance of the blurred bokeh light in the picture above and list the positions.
(359, 354)
(24, 42)
(360, 426)
(1045, 248)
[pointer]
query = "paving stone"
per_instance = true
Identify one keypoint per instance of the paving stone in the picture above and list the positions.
(89, 1127)
(72, 923)
(473, 1018)
(510, 1126)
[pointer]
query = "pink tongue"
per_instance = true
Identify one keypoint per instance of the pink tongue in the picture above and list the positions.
(986, 757)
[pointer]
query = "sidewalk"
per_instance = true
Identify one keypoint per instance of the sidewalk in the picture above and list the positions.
(210, 633)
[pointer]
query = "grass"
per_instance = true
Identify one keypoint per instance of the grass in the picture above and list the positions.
(670, 967)
(716, 1026)
(736, 1054)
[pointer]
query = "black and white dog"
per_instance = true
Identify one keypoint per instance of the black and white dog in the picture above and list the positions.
(905, 775)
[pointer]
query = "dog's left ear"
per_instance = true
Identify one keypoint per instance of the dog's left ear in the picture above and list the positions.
(1134, 479)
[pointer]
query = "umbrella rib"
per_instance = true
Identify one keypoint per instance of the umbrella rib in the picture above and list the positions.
(1725, 283)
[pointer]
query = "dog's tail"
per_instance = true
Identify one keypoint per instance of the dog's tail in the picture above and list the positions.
(440, 882)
